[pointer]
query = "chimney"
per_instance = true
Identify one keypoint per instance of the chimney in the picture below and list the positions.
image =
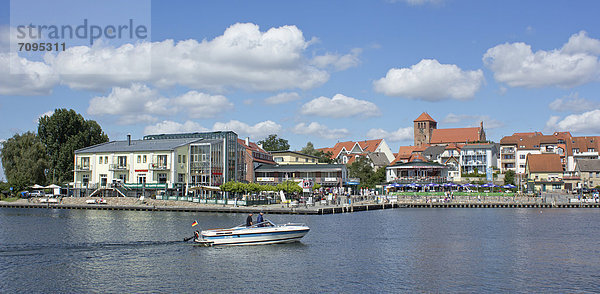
(247, 141)
(128, 139)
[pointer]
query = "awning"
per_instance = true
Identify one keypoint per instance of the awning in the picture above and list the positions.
(206, 188)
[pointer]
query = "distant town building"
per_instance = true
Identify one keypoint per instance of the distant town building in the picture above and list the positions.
(544, 172)
(417, 171)
(515, 148)
(293, 157)
(426, 132)
(254, 157)
(478, 157)
(588, 171)
(327, 175)
(343, 152)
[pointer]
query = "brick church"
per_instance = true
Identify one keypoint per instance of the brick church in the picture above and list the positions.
(427, 133)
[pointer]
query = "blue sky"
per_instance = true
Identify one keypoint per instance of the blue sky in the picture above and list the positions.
(319, 71)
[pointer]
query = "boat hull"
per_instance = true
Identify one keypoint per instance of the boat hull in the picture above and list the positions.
(254, 236)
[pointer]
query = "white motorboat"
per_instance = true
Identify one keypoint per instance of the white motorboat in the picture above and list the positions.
(262, 233)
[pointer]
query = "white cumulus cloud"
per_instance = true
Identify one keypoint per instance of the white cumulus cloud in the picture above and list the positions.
(573, 103)
(340, 106)
(283, 98)
(401, 134)
(19, 76)
(431, 81)
(576, 63)
(320, 130)
(259, 130)
(587, 122)
(242, 57)
(134, 104)
(201, 105)
(171, 127)
(337, 61)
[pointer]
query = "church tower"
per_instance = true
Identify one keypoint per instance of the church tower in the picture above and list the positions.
(423, 128)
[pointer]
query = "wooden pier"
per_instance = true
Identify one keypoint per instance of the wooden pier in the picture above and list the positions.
(277, 209)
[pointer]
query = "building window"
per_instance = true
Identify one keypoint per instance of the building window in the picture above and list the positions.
(181, 178)
(85, 180)
(184, 158)
(105, 159)
(100, 160)
(591, 150)
(141, 178)
(522, 156)
(306, 159)
(179, 158)
(144, 158)
(296, 159)
(162, 178)
(122, 161)
(575, 150)
(162, 161)
(278, 159)
(139, 159)
(85, 162)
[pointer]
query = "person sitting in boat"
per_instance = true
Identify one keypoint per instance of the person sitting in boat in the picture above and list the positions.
(249, 220)
(259, 219)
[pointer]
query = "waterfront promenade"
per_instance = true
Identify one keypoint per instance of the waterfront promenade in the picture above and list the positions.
(343, 205)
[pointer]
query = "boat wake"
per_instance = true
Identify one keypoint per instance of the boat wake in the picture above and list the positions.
(40, 249)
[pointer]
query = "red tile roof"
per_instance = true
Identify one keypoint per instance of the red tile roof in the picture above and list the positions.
(254, 147)
(583, 144)
(365, 145)
(406, 149)
(456, 135)
(424, 117)
(370, 145)
(540, 163)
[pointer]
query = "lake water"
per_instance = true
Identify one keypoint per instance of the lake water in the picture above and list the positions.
(399, 250)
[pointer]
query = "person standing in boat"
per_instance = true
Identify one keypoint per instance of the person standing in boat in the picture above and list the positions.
(249, 220)
(259, 219)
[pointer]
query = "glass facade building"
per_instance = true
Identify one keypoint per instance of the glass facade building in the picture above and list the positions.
(226, 160)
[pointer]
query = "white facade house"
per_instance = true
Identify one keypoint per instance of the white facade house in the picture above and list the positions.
(478, 157)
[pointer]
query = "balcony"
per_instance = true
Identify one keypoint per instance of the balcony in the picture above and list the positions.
(118, 167)
(82, 168)
(199, 165)
(159, 166)
(507, 151)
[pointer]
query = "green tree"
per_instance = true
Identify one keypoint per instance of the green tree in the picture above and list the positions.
(24, 160)
(309, 149)
(361, 168)
(62, 133)
(272, 143)
(324, 157)
(376, 178)
(509, 177)
(289, 187)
